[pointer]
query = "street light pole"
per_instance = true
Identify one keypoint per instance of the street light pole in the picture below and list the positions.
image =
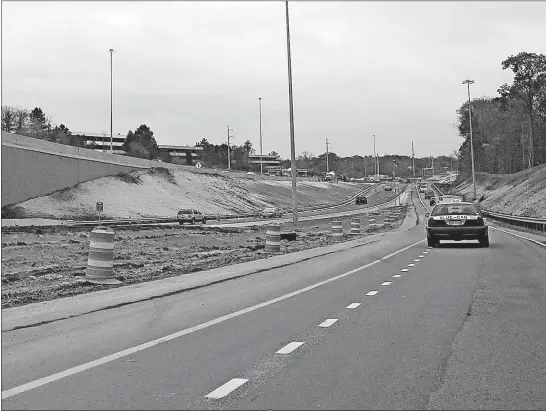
(327, 166)
(468, 83)
(413, 158)
(111, 51)
(291, 106)
(261, 150)
(228, 151)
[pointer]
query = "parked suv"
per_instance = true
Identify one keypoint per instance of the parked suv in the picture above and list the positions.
(191, 216)
(270, 212)
(361, 200)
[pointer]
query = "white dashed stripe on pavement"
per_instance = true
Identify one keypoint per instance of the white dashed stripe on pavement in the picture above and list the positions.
(288, 348)
(328, 322)
(417, 260)
(411, 265)
(353, 305)
(404, 270)
(228, 387)
(372, 293)
(421, 256)
(386, 283)
(397, 276)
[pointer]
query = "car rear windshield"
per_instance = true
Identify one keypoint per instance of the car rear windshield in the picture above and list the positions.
(185, 212)
(447, 209)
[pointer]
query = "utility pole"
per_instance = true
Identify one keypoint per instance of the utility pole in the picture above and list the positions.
(432, 158)
(413, 158)
(228, 149)
(111, 51)
(468, 83)
(291, 107)
(374, 158)
(261, 152)
(327, 144)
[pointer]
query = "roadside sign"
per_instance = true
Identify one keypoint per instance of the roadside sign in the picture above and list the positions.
(199, 165)
(99, 207)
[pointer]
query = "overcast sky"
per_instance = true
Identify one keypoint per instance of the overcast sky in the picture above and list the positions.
(188, 69)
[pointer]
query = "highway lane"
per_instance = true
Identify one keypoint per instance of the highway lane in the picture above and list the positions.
(389, 352)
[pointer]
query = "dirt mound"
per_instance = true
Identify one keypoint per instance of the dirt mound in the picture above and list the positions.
(161, 192)
(523, 193)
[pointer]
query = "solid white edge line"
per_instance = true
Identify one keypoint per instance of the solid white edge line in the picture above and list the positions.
(353, 305)
(519, 236)
(288, 348)
(372, 292)
(120, 354)
(228, 387)
(327, 323)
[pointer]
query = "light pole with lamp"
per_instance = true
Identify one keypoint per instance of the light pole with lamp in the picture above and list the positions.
(111, 51)
(261, 151)
(291, 107)
(468, 83)
(228, 151)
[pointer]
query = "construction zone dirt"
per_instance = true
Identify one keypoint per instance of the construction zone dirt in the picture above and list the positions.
(50, 263)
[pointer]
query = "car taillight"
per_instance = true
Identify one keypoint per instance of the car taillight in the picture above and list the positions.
(480, 221)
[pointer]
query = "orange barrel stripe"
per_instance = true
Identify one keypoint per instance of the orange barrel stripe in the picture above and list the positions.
(273, 238)
(100, 261)
(337, 230)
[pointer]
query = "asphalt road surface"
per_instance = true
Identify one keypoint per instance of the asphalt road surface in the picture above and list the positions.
(388, 325)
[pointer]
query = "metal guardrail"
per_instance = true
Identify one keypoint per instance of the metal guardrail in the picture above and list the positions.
(535, 223)
(159, 220)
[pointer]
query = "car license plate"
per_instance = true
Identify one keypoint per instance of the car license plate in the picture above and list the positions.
(456, 222)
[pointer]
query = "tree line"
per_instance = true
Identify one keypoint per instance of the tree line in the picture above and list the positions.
(508, 130)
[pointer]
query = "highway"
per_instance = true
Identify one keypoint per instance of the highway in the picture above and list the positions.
(391, 324)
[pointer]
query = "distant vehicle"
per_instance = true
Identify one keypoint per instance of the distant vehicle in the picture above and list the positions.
(361, 199)
(270, 212)
(429, 193)
(327, 177)
(251, 172)
(422, 188)
(191, 216)
(450, 199)
(388, 188)
(456, 221)
(434, 200)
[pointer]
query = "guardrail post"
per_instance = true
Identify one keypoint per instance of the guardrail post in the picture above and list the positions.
(355, 225)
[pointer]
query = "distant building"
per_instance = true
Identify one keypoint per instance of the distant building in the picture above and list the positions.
(271, 164)
(101, 141)
(180, 151)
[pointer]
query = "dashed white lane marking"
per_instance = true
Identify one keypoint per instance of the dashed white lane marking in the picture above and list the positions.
(288, 348)
(417, 260)
(353, 305)
(397, 276)
(228, 387)
(411, 265)
(404, 270)
(328, 322)
(372, 293)
(120, 354)
(386, 283)
(421, 256)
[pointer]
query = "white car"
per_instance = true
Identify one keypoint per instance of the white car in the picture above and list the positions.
(270, 212)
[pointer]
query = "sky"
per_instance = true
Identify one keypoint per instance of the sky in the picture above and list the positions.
(190, 69)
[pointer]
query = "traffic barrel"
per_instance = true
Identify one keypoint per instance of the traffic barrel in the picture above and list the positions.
(372, 221)
(355, 225)
(100, 261)
(273, 238)
(337, 230)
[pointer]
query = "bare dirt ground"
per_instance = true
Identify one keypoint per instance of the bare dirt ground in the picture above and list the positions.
(523, 193)
(49, 263)
(161, 192)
